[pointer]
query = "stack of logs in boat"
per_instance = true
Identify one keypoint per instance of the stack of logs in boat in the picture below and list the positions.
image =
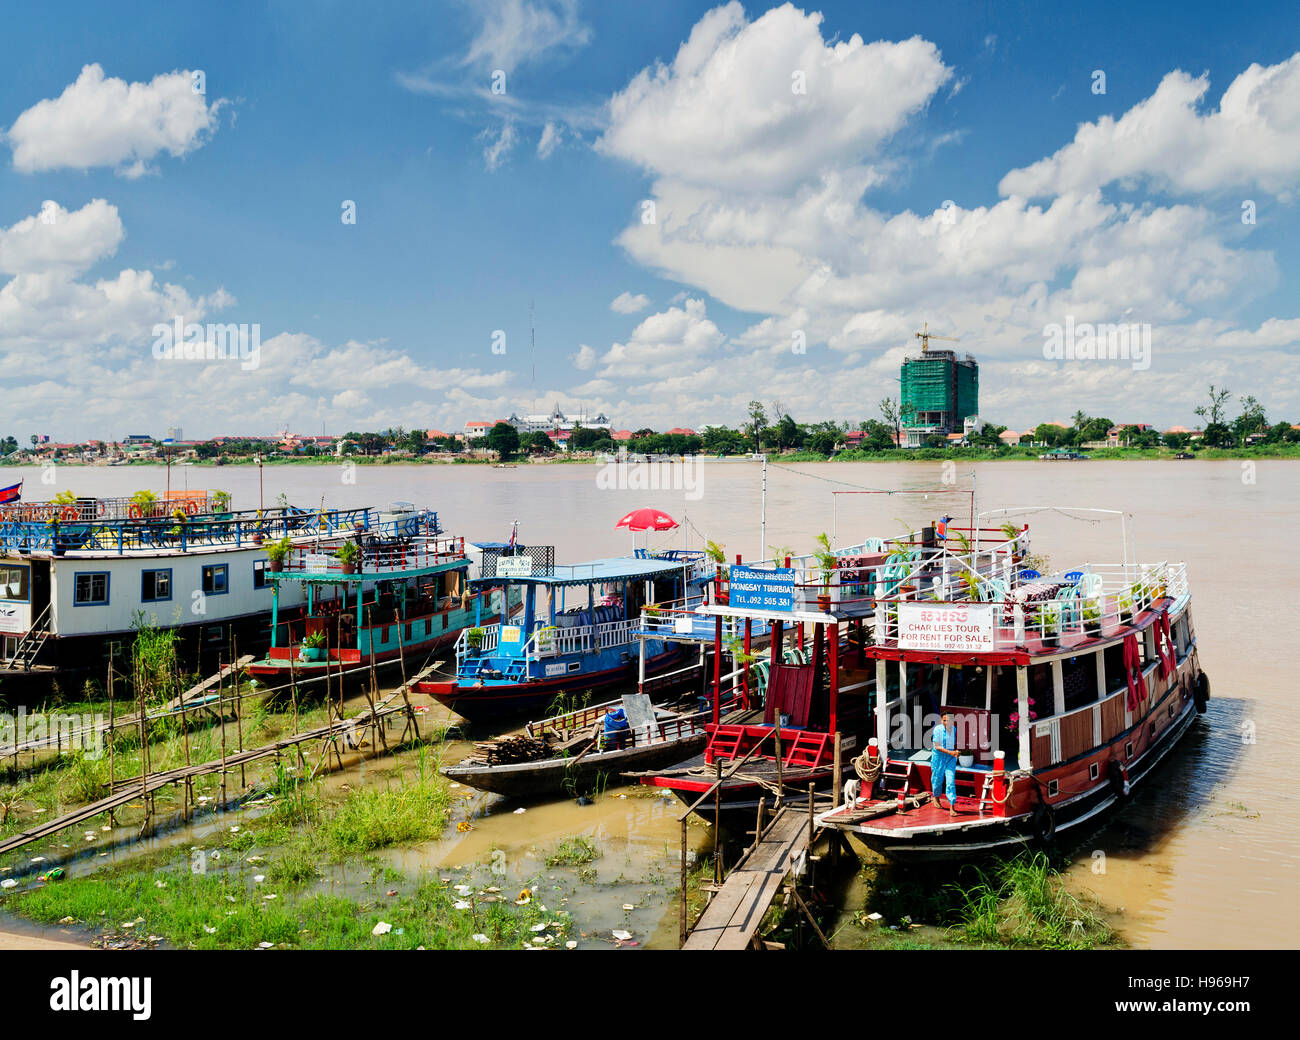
(504, 751)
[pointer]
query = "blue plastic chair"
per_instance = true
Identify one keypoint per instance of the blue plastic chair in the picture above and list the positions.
(1029, 575)
(1073, 575)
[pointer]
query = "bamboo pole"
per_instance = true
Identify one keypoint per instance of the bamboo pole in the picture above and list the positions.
(221, 714)
(112, 718)
(682, 927)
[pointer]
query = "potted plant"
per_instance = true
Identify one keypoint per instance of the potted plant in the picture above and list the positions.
(52, 523)
(1124, 603)
(144, 503)
(277, 552)
(1013, 533)
(717, 553)
(349, 554)
(1050, 619)
(827, 563)
(474, 638)
(257, 536)
(313, 647)
(221, 502)
(1091, 615)
(179, 516)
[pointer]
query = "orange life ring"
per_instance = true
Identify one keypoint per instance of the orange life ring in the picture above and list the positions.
(71, 513)
(134, 512)
(192, 507)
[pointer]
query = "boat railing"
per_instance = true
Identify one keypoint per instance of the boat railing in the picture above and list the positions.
(1096, 600)
(416, 553)
(673, 727)
(549, 641)
(70, 528)
(488, 636)
(955, 569)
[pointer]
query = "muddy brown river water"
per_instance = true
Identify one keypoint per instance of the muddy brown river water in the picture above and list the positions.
(1206, 855)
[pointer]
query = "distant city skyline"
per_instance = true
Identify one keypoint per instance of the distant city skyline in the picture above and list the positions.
(455, 211)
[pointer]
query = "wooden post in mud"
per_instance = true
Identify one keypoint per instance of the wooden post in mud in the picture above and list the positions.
(812, 818)
(780, 779)
(758, 828)
(681, 932)
(144, 750)
(187, 807)
(717, 822)
(221, 715)
(411, 722)
(293, 699)
(112, 720)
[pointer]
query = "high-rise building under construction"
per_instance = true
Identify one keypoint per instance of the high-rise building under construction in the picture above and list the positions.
(938, 393)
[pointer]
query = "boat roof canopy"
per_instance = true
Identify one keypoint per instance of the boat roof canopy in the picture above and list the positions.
(595, 572)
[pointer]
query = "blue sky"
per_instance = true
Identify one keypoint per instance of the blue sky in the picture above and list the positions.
(781, 217)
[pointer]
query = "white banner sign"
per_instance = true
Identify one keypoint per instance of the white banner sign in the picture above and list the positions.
(514, 566)
(317, 562)
(946, 627)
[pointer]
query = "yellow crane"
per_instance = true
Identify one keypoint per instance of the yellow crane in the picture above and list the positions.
(925, 335)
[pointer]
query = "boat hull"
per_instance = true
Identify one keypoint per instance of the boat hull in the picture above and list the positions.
(566, 777)
(929, 835)
(496, 700)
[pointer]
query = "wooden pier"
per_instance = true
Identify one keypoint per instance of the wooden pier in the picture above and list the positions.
(732, 918)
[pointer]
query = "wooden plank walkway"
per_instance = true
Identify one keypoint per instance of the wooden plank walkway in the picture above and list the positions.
(133, 787)
(731, 919)
(86, 736)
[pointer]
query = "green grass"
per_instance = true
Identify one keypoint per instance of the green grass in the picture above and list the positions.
(574, 852)
(240, 917)
(1018, 903)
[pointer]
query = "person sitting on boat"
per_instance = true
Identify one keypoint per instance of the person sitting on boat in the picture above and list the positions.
(943, 762)
(616, 730)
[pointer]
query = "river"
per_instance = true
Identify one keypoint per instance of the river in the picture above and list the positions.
(1205, 856)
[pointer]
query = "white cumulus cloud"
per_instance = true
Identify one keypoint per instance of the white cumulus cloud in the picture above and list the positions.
(109, 122)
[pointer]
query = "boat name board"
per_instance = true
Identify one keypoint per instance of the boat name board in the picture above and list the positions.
(762, 590)
(514, 567)
(946, 627)
(317, 562)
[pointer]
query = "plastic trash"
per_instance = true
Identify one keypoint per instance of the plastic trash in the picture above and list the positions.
(382, 928)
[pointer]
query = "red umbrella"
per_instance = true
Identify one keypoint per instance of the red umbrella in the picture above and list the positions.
(647, 520)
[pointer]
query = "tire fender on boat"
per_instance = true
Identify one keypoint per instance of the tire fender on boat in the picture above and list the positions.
(1044, 822)
(1201, 693)
(1119, 780)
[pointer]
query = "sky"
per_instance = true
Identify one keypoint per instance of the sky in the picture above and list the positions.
(699, 205)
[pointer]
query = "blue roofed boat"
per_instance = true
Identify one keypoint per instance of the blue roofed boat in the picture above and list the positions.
(580, 631)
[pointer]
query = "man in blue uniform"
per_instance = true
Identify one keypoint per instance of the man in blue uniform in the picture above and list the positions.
(943, 762)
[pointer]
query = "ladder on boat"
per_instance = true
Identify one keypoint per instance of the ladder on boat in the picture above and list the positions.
(30, 645)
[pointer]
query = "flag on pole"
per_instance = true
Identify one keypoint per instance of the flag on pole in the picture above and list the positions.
(13, 493)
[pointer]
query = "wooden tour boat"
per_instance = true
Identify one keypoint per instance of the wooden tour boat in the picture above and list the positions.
(561, 647)
(1065, 691)
(396, 596)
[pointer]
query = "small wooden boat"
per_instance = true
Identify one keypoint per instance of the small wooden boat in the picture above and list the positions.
(563, 755)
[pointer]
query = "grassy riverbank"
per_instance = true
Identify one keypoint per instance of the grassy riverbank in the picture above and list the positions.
(1017, 903)
(269, 882)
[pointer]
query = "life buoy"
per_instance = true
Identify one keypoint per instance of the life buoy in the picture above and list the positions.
(70, 513)
(134, 512)
(1201, 693)
(192, 507)
(1119, 781)
(1044, 823)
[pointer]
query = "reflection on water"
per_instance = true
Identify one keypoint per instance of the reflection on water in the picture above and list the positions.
(1206, 854)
